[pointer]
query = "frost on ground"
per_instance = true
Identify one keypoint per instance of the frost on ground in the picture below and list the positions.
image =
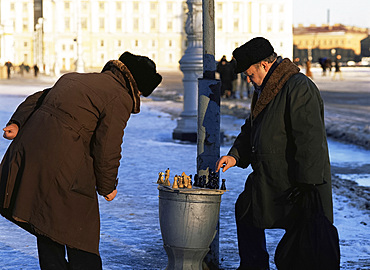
(130, 231)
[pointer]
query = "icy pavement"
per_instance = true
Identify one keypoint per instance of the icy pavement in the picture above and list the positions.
(130, 231)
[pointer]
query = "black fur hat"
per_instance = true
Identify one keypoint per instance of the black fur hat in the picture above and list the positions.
(252, 52)
(143, 70)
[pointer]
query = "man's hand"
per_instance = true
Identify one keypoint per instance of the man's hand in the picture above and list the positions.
(111, 195)
(10, 131)
(225, 162)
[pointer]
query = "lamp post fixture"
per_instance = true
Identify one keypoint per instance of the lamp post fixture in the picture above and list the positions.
(191, 66)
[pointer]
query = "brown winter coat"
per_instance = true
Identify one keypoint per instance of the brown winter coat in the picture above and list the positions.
(284, 140)
(68, 147)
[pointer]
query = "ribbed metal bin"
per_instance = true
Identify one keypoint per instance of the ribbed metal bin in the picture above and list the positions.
(188, 220)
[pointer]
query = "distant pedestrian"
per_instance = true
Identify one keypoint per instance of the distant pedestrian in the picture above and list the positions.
(226, 76)
(22, 68)
(234, 82)
(337, 67)
(66, 148)
(9, 66)
(245, 85)
(36, 70)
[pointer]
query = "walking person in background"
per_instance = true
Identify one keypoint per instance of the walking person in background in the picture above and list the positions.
(284, 140)
(234, 83)
(35, 70)
(247, 85)
(66, 148)
(337, 68)
(9, 66)
(226, 76)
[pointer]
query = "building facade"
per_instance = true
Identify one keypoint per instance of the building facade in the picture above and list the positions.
(314, 42)
(54, 34)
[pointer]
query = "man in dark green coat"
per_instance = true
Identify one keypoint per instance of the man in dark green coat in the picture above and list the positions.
(284, 140)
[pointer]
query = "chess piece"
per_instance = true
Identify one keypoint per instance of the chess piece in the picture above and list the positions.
(203, 181)
(223, 185)
(189, 182)
(181, 181)
(166, 182)
(160, 178)
(186, 179)
(196, 180)
(175, 182)
(167, 175)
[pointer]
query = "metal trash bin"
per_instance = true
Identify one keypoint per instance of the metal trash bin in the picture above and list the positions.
(188, 220)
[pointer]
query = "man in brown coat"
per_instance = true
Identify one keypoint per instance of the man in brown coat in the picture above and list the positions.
(66, 148)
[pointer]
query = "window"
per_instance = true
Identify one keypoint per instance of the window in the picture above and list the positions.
(136, 43)
(219, 7)
(219, 24)
(84, 5)
(66, 5)
(67, 23)
(169, 26)
(118, 6)
(63, 47)
(236, 24)
(170, 43)
(136, 24)
(119, 43)
(84, 23)
(101, 5)
(154, 43)
(24, 7)
(25, 44)
(71, 47)
(25, 25)
(12, 7)
(153, 24)
(119, 24)
(153, 6)
(236, 7)
(102, 43)
(101, 23)
(135, 6)
(169, 7)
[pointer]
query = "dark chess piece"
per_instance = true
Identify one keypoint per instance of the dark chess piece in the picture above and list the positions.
(203, 181)
(196, 180)
(213, 180)
(223, 185)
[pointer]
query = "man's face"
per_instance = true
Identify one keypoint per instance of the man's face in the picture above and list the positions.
(256, 73)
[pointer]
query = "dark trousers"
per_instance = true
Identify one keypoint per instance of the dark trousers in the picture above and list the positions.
(252, 246)
(52, 256)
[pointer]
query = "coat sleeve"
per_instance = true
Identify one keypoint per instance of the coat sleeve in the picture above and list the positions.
(106, 143)
(241, 149)
(27, 107)
(308, 131)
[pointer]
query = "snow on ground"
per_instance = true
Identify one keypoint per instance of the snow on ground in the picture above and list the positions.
(130, 231)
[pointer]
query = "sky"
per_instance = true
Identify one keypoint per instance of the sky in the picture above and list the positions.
(350, 13)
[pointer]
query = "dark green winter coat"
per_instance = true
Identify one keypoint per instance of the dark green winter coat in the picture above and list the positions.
(67, 149)
(284, 140)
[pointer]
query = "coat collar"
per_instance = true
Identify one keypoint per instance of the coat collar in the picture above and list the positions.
(273, 85)
(124, 75)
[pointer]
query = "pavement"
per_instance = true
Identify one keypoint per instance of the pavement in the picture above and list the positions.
(130, 234)
(346, 100)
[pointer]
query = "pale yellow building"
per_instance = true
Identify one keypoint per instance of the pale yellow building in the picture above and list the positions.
(328, 40)
(99, 30)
